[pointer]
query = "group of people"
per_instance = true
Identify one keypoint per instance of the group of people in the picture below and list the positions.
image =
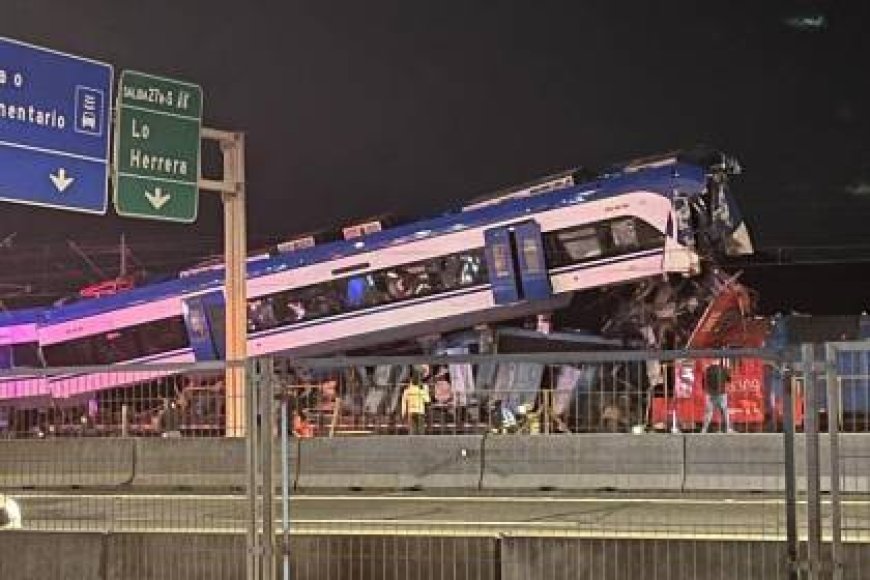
(416, 398)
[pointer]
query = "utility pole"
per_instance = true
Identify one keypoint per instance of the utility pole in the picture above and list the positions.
(232, 190)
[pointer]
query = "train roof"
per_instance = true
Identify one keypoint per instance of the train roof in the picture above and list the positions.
(661, 180)
(25, 316)
(664, 176)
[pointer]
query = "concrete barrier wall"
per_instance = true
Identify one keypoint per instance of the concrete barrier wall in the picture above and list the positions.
(109, 556)
(391, 462)
(855, 462)
(200, 463)
(756, 462)
(178, 556)
(66, 463)
(568, 559)
(737, 461)
(190, 463)
(198, 556)
(692, 462)
(397, 557)
(60, 556)
(583, 462)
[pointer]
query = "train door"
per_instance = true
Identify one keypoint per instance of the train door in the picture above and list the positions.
(529, 248)
(501, 266)
(515, 260)
(204, 317)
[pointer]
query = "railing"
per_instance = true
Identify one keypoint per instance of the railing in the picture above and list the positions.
(142, 400)
(606, 448)
(552, 393)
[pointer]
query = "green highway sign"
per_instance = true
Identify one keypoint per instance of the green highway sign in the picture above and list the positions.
(156, 169)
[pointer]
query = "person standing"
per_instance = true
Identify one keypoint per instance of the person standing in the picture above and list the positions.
(414, 401)
(170, 420)
(301, 427)
(716, 380)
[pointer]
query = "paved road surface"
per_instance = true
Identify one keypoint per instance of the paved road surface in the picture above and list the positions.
(562, 516)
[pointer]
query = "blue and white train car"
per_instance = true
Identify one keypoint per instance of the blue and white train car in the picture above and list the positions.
(524, 252)
(19, 349)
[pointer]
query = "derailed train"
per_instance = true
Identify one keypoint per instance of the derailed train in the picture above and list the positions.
(523, 251)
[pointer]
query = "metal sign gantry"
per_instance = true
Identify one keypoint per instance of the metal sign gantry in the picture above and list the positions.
(55, 125)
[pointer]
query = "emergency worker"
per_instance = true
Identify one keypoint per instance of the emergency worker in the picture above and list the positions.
(414, 401)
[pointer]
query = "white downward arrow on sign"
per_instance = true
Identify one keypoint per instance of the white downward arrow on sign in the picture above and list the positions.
(157, 199)
(61, 181)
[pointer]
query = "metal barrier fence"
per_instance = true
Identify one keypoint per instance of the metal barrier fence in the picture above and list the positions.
(603, 473)
(545, 393)
(551, 393)
(116, 401)
(840, 373)
(101, 474)
(699, 522)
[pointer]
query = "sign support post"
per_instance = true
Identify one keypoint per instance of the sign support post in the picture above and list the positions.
(232, 191)
(158, 176)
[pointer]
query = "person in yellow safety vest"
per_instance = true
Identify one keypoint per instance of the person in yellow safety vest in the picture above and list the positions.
(533, 420)
(414, 401)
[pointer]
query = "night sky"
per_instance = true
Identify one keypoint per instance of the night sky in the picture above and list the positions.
(354, 109)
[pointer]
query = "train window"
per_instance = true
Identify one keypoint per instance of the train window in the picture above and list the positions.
(70, 353)
(647, 236)
(501, 260)
(473, 269)
(26, 355)
(119, 345)
(360, 291)
(576, 245)
(261, 313)
(323, 300)
(277, 310)
(367, 290)
(5, 357)
(623, 234)
(399, 284)
(162, 336)
(532, 256)
(609, 238)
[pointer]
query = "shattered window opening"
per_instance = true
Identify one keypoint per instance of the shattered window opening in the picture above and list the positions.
(603, 240)
(624, 234)
(580, 244)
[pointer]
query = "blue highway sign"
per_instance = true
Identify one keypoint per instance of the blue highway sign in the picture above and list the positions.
(54, 128)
